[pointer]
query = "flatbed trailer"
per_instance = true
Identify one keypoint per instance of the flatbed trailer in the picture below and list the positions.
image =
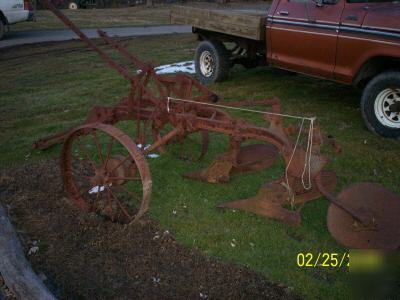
(229, 36)
(244, 23)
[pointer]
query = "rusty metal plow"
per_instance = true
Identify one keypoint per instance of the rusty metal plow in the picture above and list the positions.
(105, 170)
(295, 188)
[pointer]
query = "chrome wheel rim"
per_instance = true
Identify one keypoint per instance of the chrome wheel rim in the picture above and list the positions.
(384, 107)
(206, 64)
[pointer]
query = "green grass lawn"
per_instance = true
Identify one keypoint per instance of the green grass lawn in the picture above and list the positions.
(51, 87)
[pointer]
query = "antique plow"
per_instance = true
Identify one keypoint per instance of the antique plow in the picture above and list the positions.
(105, 171)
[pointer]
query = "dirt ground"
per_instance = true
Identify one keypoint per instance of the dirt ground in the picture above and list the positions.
(84, 256)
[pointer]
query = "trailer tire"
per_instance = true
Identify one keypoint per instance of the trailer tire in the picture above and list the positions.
(378, 104)
(73, 5)
(211, 62)
(2, 29)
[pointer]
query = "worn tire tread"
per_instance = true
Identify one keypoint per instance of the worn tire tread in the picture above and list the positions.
(372, 89)
(221, 56)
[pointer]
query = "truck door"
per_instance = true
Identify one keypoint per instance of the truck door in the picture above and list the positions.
(351, 44)
(303, 35)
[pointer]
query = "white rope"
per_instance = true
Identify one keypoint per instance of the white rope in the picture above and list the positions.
(239, 108)
(291, 195)
(307, 159)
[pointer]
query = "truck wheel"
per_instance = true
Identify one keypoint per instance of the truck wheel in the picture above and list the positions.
(211, 62)
(73, 5)
(2, 30)
(380, 104)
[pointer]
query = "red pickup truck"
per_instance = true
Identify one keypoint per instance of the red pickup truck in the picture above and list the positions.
(355, 42)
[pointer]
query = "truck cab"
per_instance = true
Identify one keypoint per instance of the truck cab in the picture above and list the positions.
(331, 38)
(13, 11)
(353, 42)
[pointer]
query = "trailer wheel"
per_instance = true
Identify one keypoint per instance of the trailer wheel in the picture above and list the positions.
(211, 62)
(73, 5)
(380, 104)
(2, 30)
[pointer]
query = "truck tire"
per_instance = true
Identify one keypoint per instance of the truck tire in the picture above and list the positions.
(380, 104)
(73, 5)
(2, 30)
(211, 62)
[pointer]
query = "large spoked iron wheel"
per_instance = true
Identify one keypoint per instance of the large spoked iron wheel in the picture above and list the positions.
(105, 172)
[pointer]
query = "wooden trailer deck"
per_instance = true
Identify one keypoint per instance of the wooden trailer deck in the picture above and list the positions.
(245, 23)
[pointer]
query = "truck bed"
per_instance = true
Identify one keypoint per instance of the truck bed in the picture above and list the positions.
(245, 23)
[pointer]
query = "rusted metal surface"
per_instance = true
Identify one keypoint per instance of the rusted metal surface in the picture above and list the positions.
(273, 198)
(379, 210)
(248, 158)
(104, 170)
(95, 179)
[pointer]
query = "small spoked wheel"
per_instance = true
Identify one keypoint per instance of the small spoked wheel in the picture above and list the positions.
(194, 147)
(380, 104)
(105, 172)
